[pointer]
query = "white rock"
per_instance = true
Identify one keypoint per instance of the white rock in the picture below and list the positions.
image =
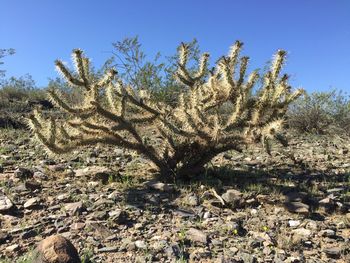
(31, 202)
(5, 202)
(206, 215)
(293, 223)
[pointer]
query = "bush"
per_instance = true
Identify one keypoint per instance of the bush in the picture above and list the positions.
(180, 137)
(15, 93)
(320, 113)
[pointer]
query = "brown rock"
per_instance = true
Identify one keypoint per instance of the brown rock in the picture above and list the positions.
(56, 249)
(74, 208)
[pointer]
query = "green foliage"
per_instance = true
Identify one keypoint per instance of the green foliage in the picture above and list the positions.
(155, 75)
(320, 113)
(16, 92)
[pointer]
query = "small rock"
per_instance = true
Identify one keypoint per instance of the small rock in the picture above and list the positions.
(335, 190)
(56, 249)
(3, 237)
(57, 167)
(160, 186)
(232, 196)
(333, 252)
(40, 176)
(47, 162)
(253, 212)
(108, 249)
(12, 248)
(63, 197)
(23, 173)
(173, 251)
(119, 216)
(297, 207)
(77, 226)
(97, 173)
(206, 215)
(28, 234)
(192, 200)
(32, 185)
(74, 208)
(196, 235)
(326, 201)
(5, 202)
(140, 244)
(293, 223)
(301, 234)
(198, 255)
(125, 242)
(327, 233)
(183, 213)
(312, 225)
(118, 152)
(32, 202)
(138, 226)
(100, 230)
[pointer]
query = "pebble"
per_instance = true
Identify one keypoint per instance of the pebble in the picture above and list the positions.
(30, 203)
(140, 244)
(294, 223)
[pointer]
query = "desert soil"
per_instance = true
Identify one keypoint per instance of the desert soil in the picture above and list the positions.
(247, 207)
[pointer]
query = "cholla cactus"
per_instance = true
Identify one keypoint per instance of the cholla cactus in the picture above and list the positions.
(187, 135)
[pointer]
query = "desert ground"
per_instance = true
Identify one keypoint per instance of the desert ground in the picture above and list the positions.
(292, 206)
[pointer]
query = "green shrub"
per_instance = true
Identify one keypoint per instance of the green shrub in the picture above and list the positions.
(15, 93)
(320, 113)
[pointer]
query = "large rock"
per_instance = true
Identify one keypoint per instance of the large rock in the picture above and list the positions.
(56, 249)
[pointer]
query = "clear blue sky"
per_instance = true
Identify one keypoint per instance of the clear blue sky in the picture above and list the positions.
(316, 33)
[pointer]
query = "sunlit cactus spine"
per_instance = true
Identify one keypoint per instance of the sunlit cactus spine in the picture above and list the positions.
(186, 135)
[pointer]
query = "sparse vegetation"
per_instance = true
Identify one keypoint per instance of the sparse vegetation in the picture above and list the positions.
(321, 113)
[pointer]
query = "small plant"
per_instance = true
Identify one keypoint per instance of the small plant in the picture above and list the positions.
(87, 256)
(180, 138)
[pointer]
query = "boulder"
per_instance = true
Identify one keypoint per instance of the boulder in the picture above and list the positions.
(56, 249)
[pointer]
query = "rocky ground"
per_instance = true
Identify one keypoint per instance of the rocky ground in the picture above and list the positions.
(292, 206)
